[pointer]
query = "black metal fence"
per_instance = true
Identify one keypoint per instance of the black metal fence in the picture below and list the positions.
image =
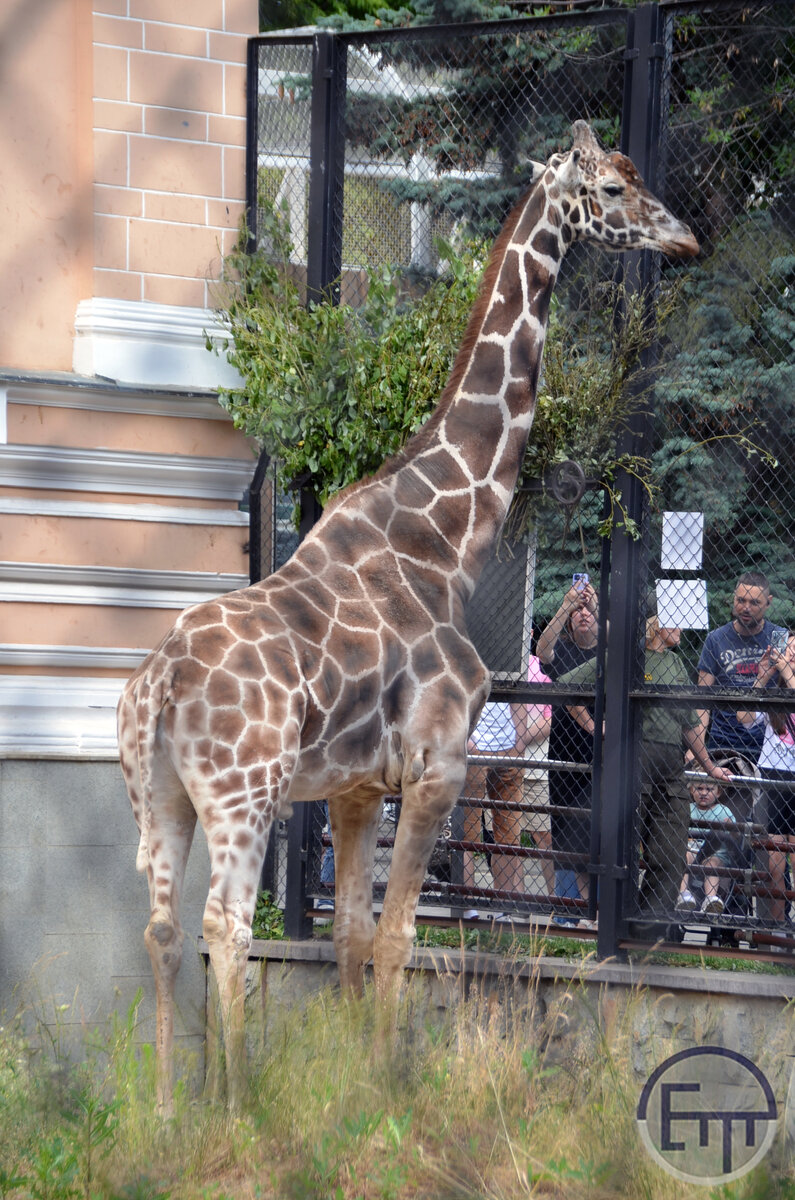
(583, 802)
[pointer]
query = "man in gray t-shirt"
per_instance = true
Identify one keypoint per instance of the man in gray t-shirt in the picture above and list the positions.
(730, 658)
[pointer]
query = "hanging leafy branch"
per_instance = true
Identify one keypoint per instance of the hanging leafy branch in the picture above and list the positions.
(330, 391)
(593, 382)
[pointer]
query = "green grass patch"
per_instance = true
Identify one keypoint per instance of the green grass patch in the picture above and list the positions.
(503, 1094)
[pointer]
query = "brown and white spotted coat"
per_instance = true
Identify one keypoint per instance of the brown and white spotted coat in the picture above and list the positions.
(349, 674)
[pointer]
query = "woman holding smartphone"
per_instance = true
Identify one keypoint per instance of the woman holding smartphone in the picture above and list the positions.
(567, 641)
(777, 756)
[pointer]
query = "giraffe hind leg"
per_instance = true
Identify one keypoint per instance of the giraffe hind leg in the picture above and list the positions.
(236, 859)
(171, 828)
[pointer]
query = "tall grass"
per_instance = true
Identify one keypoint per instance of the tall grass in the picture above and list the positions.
(508, 1093)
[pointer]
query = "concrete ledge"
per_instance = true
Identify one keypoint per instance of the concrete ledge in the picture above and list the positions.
(484, 965)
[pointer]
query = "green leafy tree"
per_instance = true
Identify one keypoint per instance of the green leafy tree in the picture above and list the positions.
(732, 122)
(292, 14)
(480, 103)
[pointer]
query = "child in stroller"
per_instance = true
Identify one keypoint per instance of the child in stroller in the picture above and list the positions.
(717, 848)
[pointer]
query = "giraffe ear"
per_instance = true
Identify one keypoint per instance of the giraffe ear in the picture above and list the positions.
(538, 169)
(569, 175)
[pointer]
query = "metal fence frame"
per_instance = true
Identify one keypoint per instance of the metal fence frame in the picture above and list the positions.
(616, 694)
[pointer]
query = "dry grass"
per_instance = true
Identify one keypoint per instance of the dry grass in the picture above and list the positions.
(509, 1093)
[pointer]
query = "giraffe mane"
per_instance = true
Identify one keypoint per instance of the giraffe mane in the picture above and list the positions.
(419, 440)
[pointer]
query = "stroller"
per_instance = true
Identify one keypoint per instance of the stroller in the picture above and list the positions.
(729, 848)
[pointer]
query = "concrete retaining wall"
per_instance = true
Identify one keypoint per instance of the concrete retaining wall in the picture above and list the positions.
(72, 907)
(566, 1006)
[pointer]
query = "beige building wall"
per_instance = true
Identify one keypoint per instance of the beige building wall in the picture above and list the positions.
(46, 182)
(123, 162)
(121, 477)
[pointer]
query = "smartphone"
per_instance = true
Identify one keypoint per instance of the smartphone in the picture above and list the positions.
(580, 579)
(779, 639)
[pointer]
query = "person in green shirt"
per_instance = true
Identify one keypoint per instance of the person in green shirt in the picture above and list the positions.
(664, 811)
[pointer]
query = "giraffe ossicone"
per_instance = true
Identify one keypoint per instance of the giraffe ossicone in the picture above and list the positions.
(349, 674)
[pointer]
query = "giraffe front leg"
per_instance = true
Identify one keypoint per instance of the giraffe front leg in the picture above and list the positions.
(228, 936)
(354, 830)
(426, 805)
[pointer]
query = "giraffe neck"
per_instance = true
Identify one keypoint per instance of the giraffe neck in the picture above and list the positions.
(470, 452)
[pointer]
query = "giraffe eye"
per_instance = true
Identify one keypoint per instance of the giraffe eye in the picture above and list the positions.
(613, 189)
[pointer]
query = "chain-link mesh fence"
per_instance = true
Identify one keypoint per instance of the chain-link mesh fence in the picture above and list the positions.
(435, 130)
(719, 543)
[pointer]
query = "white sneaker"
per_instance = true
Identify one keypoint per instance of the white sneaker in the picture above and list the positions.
(712, 904)
(687, 901)
(471, 914)
(504, 919)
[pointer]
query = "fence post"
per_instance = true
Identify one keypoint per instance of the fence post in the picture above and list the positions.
(302, 829)
(252, 141)
(641, 132)
(326, 168)
(257, 570)
(323, 268)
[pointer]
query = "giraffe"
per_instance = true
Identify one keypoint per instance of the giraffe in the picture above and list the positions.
(348, 674)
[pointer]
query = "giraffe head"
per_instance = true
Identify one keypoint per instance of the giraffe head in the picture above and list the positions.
(603, 199)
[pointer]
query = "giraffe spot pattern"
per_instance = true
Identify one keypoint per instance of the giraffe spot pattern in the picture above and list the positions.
(483, 378)
(444, 472)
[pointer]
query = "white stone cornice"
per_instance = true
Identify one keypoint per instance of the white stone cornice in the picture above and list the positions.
(118, 587)
(53, 716)
(59, 389)
(34, 507)
(134, 341)
(113, 658)
(124, 472)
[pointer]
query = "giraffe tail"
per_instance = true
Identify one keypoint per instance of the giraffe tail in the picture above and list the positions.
(147, 736)
(138, 719)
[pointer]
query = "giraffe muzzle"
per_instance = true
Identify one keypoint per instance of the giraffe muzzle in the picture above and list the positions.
(681, 244)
